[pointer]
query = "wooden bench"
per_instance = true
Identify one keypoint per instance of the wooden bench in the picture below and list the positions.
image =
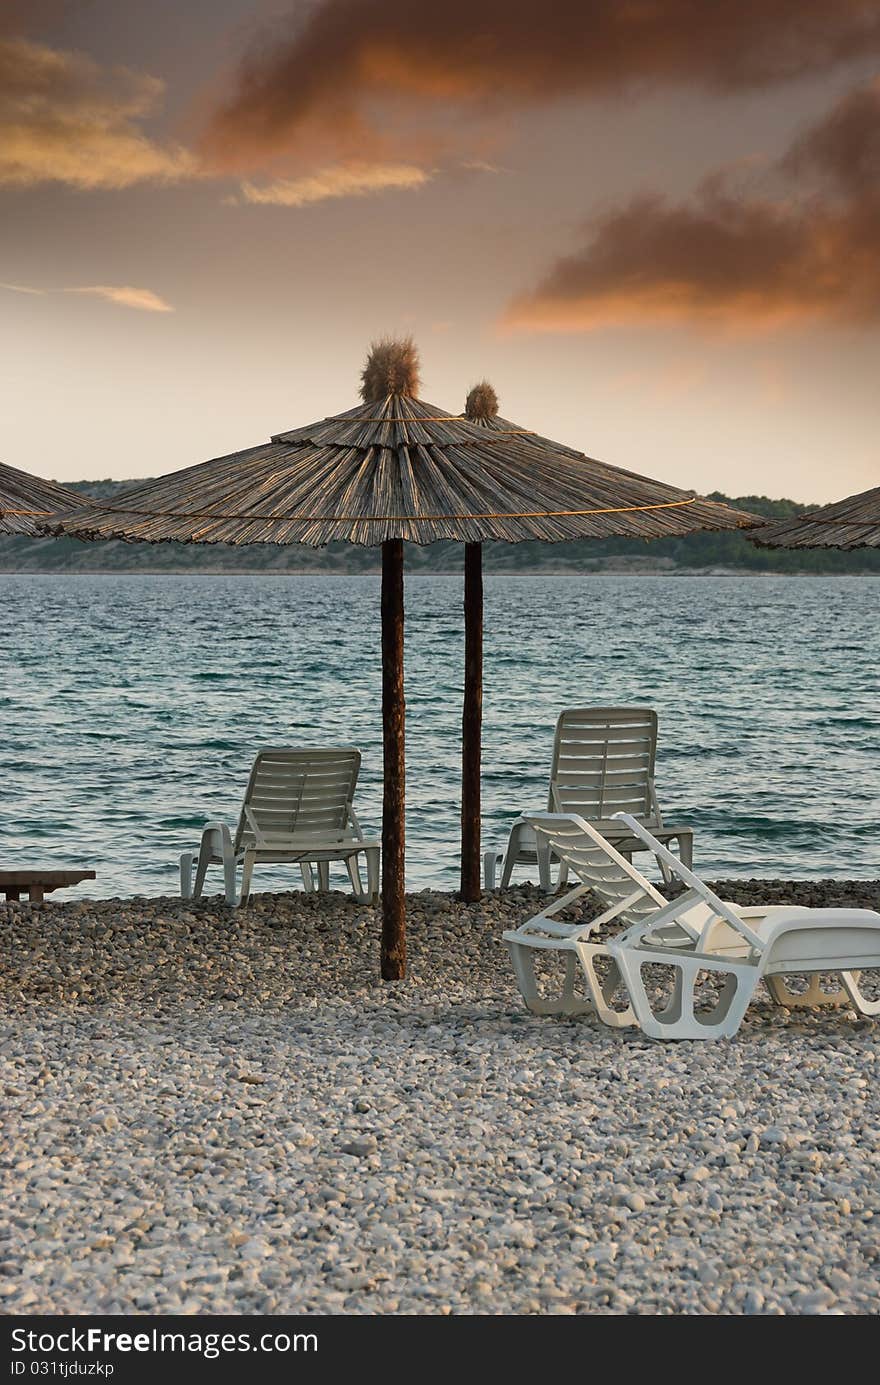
(39, 882)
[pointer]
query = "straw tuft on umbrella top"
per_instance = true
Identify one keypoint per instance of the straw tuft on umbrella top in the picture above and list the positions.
(847, 524)
(392, 368)
(481, 403)
(26, 500)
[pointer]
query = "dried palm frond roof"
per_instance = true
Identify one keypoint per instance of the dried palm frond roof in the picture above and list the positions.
(26, 499)
(850, 523)
(398, 467)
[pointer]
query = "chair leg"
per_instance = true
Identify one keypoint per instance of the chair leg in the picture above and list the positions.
(229, 869)
(206, 855)
(305, 870)
(507, 868)
(678, 1020)
(602, 993)
(850, 980)
(524, 969)
(186, 875)
(665, 873)
(247, 871)
(566, 1003)
(352, 865)
(544, 873)
(685, 855)
(490, 867)
(812, 997)
(323, 868)
(372, 855)
(511, 852)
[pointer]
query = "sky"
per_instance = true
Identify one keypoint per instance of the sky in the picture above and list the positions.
(653, 225)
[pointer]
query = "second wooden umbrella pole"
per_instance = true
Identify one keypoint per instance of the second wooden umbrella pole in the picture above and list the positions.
(472, 722)
(393, 958)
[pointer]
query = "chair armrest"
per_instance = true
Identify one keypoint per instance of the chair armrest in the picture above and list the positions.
(520, 828)
(221, 830)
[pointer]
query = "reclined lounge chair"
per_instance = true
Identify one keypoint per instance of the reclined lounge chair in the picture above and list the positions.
(695, 934)
(603, 763)
(297, 808)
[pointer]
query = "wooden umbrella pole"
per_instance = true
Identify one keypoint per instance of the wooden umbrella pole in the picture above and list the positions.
(394, 764)
(472, 722)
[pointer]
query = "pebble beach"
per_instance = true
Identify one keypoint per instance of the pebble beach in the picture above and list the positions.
(227, 1112)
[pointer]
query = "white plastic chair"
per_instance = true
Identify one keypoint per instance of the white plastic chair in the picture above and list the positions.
(695, 934)
(603, 763)
(297, 808)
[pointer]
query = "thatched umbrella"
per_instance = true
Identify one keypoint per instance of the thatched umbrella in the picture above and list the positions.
(26, 500)
(391, 470)
(850, 523)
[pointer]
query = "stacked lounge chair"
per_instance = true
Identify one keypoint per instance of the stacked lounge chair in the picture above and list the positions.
(694, 935)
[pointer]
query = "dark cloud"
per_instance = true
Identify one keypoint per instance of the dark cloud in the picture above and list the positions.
(730, 257)
(337, 73)
(843, 149)
(33, 16)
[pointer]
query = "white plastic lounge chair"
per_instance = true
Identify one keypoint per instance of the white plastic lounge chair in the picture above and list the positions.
(297, 808)
(603, 763)
(695, 934)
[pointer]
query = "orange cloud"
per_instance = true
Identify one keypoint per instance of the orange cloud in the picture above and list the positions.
(21, 288)
(335, 75)
(124, 296)
(65, 119)
(343, 180)
(729, 258)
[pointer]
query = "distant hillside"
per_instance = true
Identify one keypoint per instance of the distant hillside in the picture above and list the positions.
(697, 552)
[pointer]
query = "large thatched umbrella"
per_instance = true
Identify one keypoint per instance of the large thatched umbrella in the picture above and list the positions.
(391, 470)
(26, 500)
(850, 523)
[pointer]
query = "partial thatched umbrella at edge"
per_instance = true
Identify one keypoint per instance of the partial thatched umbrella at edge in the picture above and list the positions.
(26, 500)
(397, 469)
(847, 524)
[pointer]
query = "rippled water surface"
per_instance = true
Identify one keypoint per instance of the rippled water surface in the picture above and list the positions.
(131, 707)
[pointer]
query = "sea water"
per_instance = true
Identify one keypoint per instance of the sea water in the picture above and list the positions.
(131, 707)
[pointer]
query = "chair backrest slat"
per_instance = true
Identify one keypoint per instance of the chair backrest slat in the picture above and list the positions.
(603, 763)
(299, 793)
(597, 864)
